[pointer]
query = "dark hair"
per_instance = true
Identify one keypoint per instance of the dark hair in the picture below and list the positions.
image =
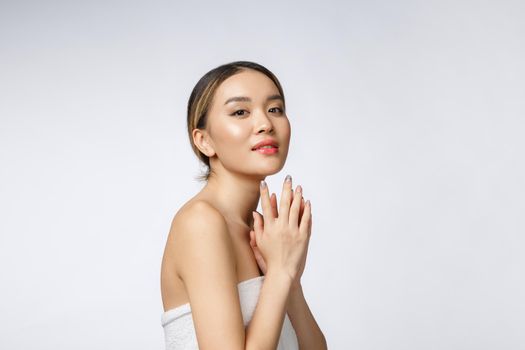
(202, 96)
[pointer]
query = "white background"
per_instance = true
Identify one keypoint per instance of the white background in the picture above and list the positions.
(407, 136)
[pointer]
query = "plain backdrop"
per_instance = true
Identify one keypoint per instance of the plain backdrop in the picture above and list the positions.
(407, 136)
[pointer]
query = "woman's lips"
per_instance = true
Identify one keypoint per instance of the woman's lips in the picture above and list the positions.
(264, 150)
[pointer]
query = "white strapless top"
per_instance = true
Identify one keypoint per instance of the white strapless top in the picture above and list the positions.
(179, 331)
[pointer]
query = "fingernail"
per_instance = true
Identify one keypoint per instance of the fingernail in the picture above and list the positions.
(288, 178)
(263, 184)
(307, 203)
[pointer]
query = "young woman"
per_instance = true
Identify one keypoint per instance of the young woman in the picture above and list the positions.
(231, 277)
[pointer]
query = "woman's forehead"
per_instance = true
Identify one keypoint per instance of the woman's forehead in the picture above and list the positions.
(251, 85)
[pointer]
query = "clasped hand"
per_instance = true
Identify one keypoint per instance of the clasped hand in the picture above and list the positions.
(292, 208)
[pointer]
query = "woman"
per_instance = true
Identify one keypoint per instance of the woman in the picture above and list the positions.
(230, 277)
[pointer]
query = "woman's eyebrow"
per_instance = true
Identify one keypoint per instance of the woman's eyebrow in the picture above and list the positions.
(247, 99)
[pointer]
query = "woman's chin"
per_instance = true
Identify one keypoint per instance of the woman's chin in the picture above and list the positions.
(270, 169)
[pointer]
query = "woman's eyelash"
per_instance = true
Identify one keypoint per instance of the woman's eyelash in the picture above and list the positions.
(243, 110)
(239, 110)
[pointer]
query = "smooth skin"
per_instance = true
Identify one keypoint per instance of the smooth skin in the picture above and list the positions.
(216, 241)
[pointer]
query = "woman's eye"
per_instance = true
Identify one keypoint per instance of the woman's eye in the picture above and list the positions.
(237, 112)
(242, 112)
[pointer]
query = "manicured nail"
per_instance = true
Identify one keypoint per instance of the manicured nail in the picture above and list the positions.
(288, 178)
(307, 203)
(263, 184)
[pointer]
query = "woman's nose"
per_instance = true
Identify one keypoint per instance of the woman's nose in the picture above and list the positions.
(263, 122)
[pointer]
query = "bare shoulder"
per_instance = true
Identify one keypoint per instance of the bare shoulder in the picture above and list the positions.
(206, 264)
(199, 224)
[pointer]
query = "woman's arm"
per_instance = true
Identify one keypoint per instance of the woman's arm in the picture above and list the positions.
(308, 333)
(207, 267)
(266, 324)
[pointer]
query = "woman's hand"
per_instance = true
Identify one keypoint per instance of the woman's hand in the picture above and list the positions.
(258, 256)
(258, 217)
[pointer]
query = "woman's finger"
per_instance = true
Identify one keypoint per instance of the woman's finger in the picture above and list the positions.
(286, 199)
(310, 225)
(257, 226)
(265, 202)
(294, 209)
(301, 211)
(273, 200)
(259, 259)
(304, 225)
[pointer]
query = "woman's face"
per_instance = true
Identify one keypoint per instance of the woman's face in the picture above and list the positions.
(246, 109)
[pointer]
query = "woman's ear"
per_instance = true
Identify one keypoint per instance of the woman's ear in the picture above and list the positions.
(201, 140)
